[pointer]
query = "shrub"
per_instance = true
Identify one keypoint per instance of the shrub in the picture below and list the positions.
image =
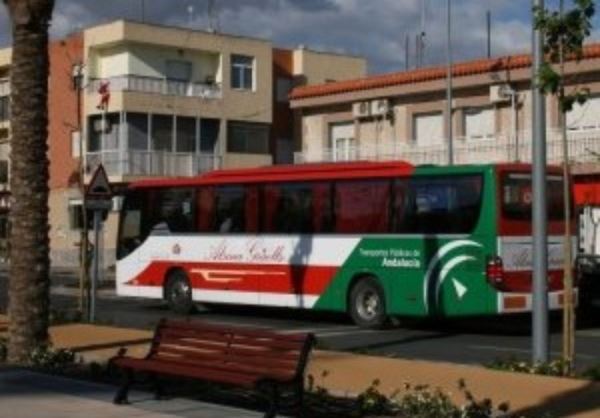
(512, 364)
(48, 359)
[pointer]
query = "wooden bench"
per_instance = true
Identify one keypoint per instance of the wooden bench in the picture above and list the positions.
(258, 359)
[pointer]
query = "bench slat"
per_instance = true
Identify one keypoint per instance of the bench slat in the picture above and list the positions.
(266, 364)
(241, 331)
(235, 347)
(258, 371)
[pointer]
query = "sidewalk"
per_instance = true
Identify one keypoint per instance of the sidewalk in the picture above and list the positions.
(36, 395)
(350, 374)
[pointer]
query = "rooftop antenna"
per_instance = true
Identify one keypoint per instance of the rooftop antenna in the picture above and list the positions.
(488, 19)
(213, 16)
(423, 32)
(143, 10)
(190, 10)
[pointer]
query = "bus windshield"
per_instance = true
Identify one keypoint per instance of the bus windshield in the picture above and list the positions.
(517, 196)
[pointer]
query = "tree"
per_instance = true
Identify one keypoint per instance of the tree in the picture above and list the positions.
(564, 34)
(29, 244)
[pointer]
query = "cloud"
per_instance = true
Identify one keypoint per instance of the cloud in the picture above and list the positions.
(376, 29)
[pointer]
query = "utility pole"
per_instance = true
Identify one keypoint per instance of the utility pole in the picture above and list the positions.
(449, 84)
(143, 10)
(83, 241)
(488, 21)
(540, 337)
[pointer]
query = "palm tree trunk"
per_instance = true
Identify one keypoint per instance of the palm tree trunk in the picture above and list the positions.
(29, 244)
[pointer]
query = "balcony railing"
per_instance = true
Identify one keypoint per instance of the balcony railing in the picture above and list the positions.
(584, 147)
(158, 86)
(152, 163)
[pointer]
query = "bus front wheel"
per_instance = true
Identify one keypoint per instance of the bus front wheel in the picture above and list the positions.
(178, 293)
(367, 303)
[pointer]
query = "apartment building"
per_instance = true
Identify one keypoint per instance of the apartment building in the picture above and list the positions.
(404, 115)
(161, 101)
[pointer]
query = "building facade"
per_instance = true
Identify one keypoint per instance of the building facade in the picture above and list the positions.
(152, 101)
(404, 115)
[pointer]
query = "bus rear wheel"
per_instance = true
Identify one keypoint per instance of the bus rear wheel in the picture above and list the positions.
(178, 293)
(367, 303)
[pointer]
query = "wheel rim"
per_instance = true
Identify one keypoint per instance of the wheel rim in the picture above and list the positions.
(368, 304)
(180, 292)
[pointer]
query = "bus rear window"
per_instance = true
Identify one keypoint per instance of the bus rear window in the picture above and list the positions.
(517, 196)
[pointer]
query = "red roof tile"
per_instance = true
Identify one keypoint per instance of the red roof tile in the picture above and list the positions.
(480, 66)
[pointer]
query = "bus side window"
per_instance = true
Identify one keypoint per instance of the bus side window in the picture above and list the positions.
(173, 211)
(251, 209)
(362, 206)
(229, 215)
(322, 210)
(205, 202)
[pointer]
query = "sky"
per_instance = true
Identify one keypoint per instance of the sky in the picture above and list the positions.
(375, 29)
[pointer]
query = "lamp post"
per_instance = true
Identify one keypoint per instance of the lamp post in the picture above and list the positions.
(449, 84)
(78, 78)
(540, 337)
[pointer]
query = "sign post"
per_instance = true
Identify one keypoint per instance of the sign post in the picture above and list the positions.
(99, 199)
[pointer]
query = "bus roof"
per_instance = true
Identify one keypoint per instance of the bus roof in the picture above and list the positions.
(307, 172)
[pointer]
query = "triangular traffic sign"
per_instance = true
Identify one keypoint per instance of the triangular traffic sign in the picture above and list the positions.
(99, 186)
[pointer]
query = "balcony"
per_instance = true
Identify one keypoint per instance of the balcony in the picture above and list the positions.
(583, 146)
(155, 85)
(137, 163)
(4, 87)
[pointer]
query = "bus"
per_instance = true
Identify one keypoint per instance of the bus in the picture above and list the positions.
(371, 239)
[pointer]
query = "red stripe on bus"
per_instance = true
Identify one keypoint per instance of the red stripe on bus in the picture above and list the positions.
(297, 279)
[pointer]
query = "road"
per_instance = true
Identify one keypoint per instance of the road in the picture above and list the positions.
(471, 341)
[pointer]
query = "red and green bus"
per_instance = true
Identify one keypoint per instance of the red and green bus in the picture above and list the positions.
(373, 239)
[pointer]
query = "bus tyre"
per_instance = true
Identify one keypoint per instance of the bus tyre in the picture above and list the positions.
(367, 303)
(178, 293)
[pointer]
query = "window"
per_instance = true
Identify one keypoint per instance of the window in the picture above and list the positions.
(479, 123)
(584, 117)
(517, 195)
(75, 144)
(104, 132)
(209, 134)
(135, 224)
(75, 214)
(229, 209)
(162, 133)
(428, 129)
(173, 210)
(362, 206)
(3, 171)
(242, 72)
(437, 205)
(4, 108)
(288, 208)
(248, 138)
(342, 141)
(137, 125)
(186, 134)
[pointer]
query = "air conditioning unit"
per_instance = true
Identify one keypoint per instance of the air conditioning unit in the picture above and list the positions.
(101, 125)
(499, 93)
(380, 107)
(361, 110)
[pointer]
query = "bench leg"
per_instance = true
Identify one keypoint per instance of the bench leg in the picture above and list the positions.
(159, 391)
(300, 400)
(121, 396)
(273, 394)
